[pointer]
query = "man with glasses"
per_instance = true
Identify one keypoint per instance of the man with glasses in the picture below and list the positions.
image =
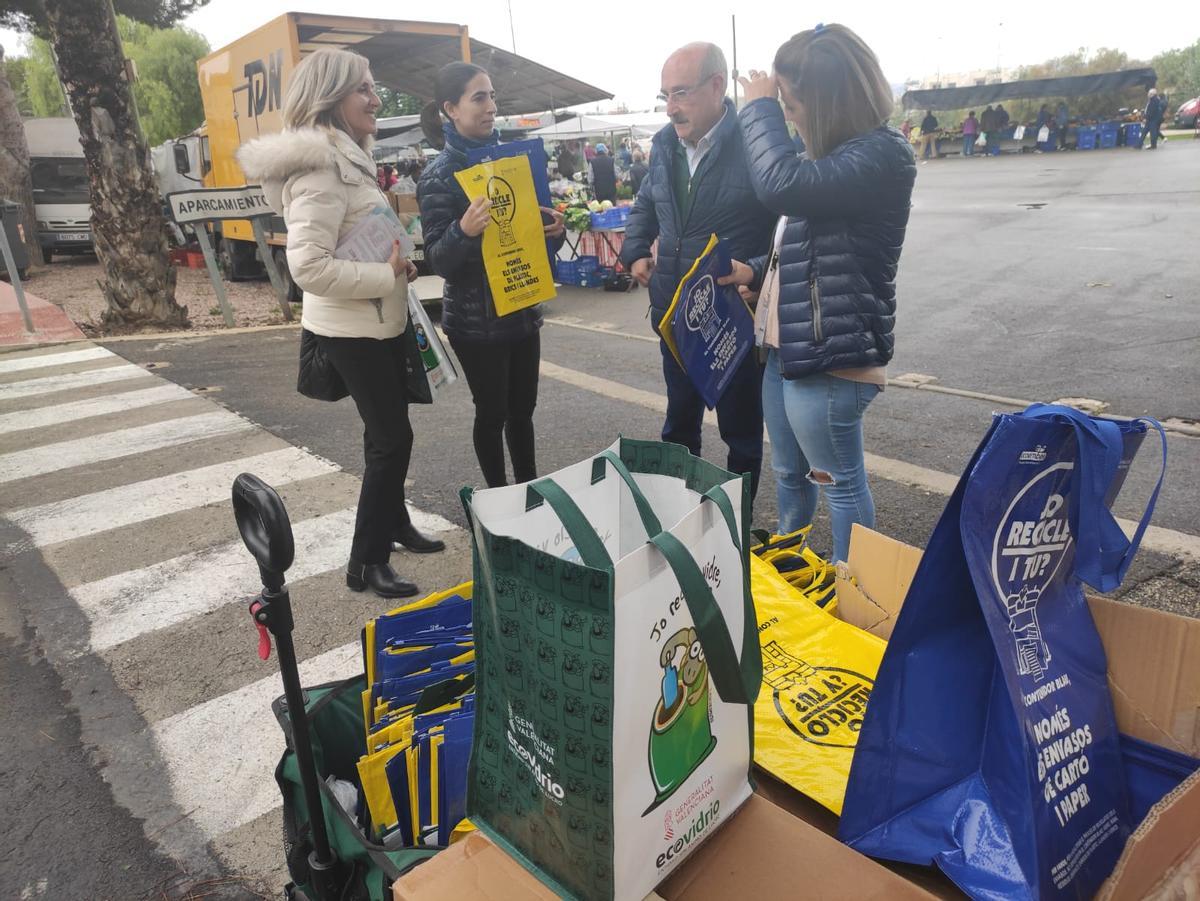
(698, 185)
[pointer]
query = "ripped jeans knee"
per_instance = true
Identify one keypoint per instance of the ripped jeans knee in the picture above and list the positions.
(820, 477)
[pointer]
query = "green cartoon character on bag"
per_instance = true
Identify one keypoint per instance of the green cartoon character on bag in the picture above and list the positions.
(681, 731)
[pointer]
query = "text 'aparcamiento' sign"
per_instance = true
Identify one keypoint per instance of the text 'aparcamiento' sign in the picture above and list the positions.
(218, 203)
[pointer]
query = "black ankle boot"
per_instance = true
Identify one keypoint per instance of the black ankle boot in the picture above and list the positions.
(407, 536)
(380, 578)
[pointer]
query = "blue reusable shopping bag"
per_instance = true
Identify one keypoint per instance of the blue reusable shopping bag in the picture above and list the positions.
(707, 327)
(990, 746)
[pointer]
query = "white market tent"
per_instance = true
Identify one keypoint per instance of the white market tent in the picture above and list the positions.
(641, 125)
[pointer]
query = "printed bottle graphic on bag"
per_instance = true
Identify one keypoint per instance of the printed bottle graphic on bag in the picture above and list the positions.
(504, 208)
(1030, 544)
(681, 729)
(701, 314)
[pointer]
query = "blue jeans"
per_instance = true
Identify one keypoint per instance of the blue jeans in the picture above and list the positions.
(969, 145)
(739, 414)
(815, 426)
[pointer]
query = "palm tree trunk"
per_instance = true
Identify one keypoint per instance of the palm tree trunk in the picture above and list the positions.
(127, 219)
(15, 182)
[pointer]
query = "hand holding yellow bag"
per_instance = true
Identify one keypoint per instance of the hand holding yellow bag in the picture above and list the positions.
(514, 244)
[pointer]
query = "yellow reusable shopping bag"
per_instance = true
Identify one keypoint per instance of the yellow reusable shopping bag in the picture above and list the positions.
(818, 673)
(514, 244)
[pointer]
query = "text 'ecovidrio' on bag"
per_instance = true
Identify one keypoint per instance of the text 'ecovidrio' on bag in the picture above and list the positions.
(990, 746)
(617, 666)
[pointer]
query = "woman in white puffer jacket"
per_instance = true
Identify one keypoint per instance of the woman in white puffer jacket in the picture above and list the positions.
(318, 174)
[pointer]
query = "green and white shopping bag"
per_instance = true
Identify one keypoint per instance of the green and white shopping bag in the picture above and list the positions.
(617, 666)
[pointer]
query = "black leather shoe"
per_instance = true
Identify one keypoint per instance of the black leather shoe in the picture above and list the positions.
(380, 578)
(408, 537)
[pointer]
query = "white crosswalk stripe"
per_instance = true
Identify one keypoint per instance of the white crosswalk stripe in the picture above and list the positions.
(52, 383)
(129, 604)
(125, 442)
(221, 753)
(24, 420)
(45, 361)
(115, 507)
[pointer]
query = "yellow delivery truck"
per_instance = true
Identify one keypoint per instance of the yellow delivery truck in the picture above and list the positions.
(243, 85)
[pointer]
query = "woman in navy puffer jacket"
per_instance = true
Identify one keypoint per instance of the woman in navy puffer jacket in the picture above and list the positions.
(827, 291)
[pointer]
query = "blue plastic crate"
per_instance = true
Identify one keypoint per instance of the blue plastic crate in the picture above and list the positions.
(614, 218)
(1108, 139)
(589, 279)
(566, 271)
(1087, 137)
(1133, 134)
(587, 264)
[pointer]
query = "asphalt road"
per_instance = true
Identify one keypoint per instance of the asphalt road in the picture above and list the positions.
(1034, 278)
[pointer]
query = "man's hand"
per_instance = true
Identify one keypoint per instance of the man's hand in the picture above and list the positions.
(740, 274)
(410, 270)
(642, 270)
(476, 218)
(750, 298)
(759, 85)
(555, 227)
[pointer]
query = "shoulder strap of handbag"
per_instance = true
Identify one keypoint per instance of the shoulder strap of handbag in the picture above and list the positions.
(1102, 551)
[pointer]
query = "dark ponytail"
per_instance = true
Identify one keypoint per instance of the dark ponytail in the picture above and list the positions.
(451, 84)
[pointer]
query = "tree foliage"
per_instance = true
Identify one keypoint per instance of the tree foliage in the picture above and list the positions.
(30, 15)
(397, 104)
(1179, 73)
(167, 92)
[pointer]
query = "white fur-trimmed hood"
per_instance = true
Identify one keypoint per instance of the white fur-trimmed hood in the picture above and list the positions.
(280, 156)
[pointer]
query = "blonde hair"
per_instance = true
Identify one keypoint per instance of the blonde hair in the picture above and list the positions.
(319, 84)
(837, 77)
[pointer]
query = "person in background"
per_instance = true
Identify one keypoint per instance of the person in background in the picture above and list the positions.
(604, 175)
(637, 172)
(1043, 117)
(500, 355)
(318, 174)
(929, 127)
(589, 152)
(1061, 118)
(970, 130)
(380, 177)
(1002, 118)
(1156, 111)
(906, 129)
(828, 285)
(699, 185)
(568, 160)
(988, 122)
(625, 155)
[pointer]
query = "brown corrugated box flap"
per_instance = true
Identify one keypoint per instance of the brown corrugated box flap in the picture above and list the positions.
(1153, 672)
(762, 852)
(882, 570)
(1164, 839)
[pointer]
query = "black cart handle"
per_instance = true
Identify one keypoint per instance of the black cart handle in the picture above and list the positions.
(266, 530)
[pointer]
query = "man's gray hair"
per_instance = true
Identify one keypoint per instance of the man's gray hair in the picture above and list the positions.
(713, 61)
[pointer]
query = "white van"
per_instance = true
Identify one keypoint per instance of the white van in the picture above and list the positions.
(61, 197)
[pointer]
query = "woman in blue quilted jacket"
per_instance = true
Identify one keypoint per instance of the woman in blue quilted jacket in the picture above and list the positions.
(827, 286)
(500, 355)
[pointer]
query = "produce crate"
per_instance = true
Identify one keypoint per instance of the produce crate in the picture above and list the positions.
(1087, 137)
(614, 218)
(1108, 139)
(589, 279)
(566, 271)
(588, 264)
(1133, 134)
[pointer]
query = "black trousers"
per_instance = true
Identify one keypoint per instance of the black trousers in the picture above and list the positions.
(503, 379)
(373, 370)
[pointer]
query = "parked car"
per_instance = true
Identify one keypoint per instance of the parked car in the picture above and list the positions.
(1188, 113)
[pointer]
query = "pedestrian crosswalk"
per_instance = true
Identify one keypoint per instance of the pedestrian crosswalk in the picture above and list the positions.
(117, 528)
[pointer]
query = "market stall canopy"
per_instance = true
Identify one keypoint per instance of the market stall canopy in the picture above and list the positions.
(641, 124)
(386, 148)
(406, 55)
(1068, 86)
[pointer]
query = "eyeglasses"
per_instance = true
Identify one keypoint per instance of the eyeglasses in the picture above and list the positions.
(681, 94)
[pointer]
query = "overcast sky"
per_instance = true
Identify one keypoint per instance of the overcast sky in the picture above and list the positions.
(620, 45)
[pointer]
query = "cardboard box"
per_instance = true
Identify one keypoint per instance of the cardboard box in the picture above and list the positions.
(762, 852)
(403, 203)
(1154, 677)
(781, 844)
